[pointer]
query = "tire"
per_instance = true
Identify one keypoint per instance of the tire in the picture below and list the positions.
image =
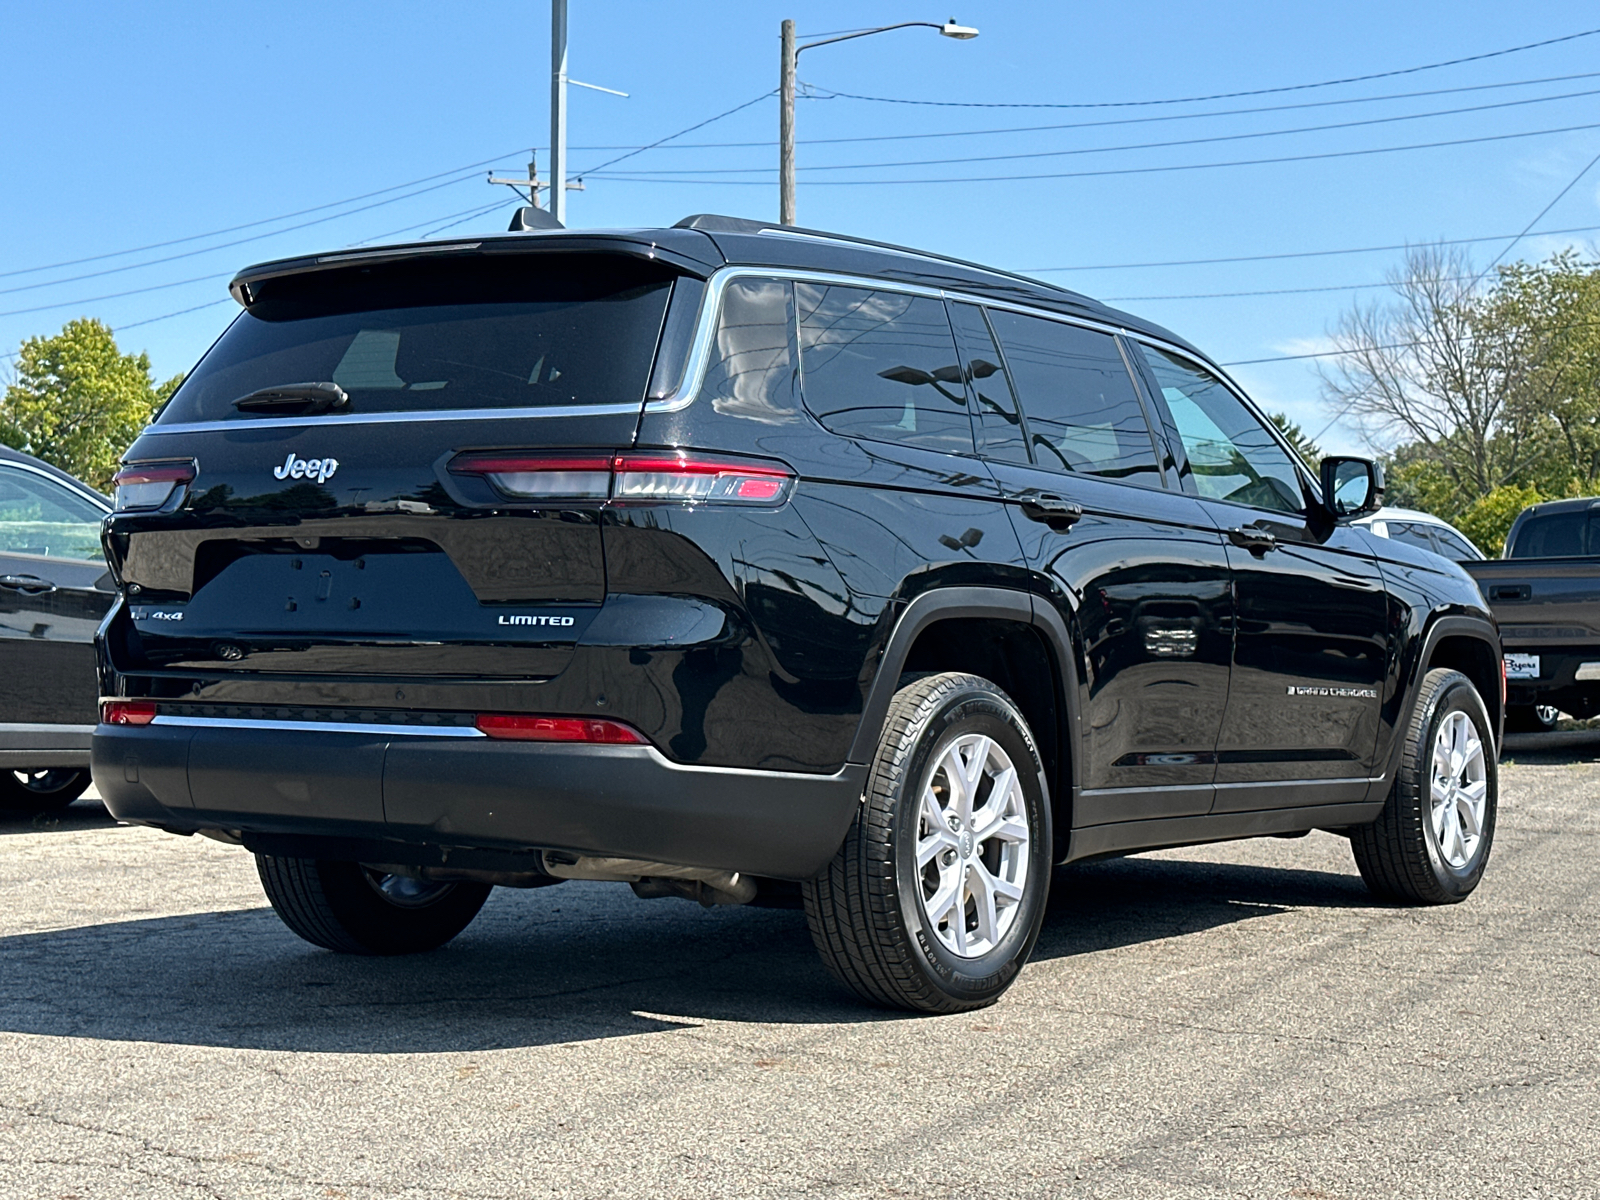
(1531, 718)
(353, 909)
(1414, 852)
(28, 793)
(875, 915)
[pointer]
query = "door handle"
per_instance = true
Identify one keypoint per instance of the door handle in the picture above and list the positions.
(28, 585)
(1053, 511)
(1257, 541)
(1511, 591)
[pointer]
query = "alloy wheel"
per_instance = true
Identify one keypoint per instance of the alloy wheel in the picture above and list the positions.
(972, 846)
(1458, 790)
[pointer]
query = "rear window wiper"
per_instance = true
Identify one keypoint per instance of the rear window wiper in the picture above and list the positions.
(302, 399)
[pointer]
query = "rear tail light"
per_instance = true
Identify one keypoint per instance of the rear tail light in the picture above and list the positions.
(662, 477)
(541, 476)
(144, 486)
(522, 728)
(127, 712)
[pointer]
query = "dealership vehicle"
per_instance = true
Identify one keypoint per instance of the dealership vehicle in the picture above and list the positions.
(54, 589)
(1545, 592)
(1423, 530)
(739, 563)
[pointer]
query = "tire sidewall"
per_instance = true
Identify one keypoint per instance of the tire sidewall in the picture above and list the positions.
(1456, 695)
(972, 710)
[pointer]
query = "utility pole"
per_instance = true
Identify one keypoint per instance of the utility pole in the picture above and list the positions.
(786, 125)
(558, 110)
(786, 72)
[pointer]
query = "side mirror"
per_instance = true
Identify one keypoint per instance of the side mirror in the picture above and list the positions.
(1352, 487)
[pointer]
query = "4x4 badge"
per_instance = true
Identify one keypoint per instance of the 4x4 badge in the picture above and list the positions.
(319, 469)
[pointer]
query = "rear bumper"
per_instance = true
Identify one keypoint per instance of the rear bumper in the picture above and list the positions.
(1567, 676)
(427, 791)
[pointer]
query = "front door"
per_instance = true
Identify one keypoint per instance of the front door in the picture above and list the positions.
(1141, 572)
(1311, 614)
(54, 589)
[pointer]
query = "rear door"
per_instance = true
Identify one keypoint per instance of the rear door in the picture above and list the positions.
(54, 589)
(443, 520)
(1141, 573)
(1311, 609)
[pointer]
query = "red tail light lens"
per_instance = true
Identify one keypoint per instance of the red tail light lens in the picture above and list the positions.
(522, 728)
(145, 486)
(127, 712)
(541, 476)
(662, 477)
(699, 479)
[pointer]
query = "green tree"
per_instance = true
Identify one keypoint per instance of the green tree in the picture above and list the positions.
(78, 401)
(1295, 436)
(1488, 520)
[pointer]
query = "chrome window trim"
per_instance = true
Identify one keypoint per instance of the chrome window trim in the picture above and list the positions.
(74, 486)
(391, 418)
(699, 359)
(449, 731)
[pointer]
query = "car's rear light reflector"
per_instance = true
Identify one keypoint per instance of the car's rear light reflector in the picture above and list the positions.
(143, 486)
(660, 477)
(699, 479)
(541, 476)
(523, 728)
(127, 712)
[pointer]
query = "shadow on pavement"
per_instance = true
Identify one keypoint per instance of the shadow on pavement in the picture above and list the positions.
(1559, 748)
(80, 814)
(565, 964)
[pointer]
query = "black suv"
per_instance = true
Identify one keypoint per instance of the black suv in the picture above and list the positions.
(747, 564)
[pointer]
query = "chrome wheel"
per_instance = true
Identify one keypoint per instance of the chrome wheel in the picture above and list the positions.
(403, 891)
(1458, 791)
(972, 845)
(1548, 715)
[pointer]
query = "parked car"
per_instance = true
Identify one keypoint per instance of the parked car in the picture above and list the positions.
(54, 589)
(1423, 530)
(1545, 592)
(734, 562)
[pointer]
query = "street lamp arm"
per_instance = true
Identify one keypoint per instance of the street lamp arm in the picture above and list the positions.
(845, 37)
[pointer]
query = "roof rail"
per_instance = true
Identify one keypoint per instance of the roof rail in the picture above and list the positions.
(715, 223)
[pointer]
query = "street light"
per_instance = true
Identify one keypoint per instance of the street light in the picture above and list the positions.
(791, 56)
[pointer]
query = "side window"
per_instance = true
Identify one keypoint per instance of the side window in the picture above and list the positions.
(1231, 454)
(1000, 433)
(40, 517)
(1079, 401)
(752, 370)
(1452, 545)
(882, 365)
(1412, 535)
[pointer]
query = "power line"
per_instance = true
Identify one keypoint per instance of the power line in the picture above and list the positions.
(28, 287)
(1076, 150)
(1297, 87)
(252, 224)
(1145, 120)
(13, 354)
(1246, 162)
(1206, 262)
(157, 287)
(1341, 287)
(488, 208)
(680, 133)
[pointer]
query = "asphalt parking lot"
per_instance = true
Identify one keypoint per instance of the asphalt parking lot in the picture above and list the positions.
(1239, 1020)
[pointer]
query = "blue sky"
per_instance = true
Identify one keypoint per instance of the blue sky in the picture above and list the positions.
(132, 125)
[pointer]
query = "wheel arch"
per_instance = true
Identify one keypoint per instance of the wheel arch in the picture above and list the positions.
(1470, 645)
(1005, 636)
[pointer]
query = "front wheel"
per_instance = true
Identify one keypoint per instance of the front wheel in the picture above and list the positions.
(934, 901)
(1432, 840)
(357, 909)
(28, 793)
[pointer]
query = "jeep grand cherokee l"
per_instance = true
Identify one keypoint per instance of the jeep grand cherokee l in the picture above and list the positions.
(725, 561)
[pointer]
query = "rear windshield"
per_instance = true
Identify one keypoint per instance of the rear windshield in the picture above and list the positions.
(1557, 535)
(447, 334)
